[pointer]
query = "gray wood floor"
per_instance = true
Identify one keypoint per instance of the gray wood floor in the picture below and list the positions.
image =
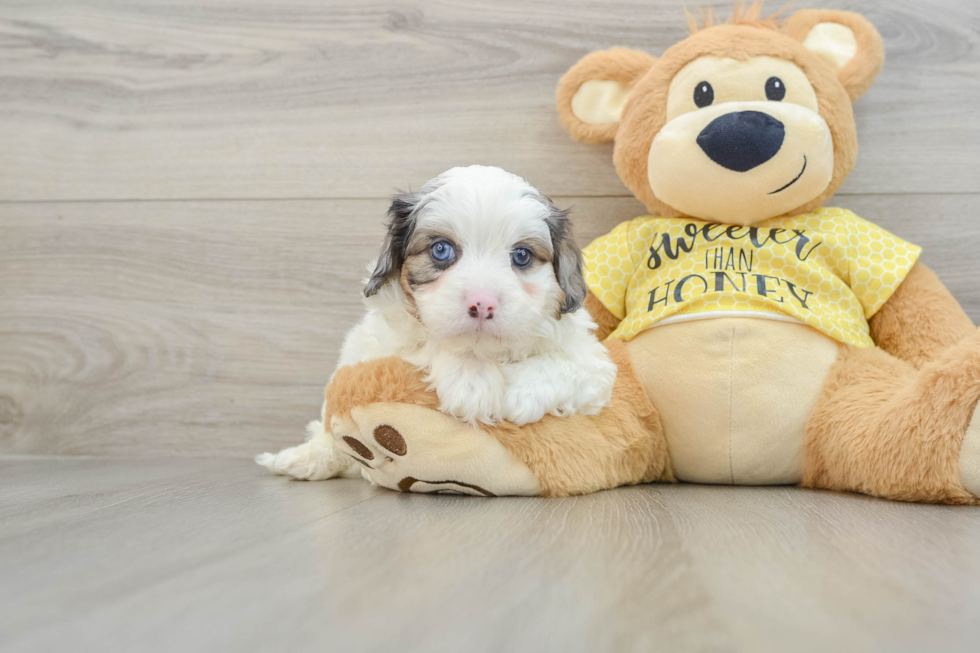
(149, 554)
(189, 193)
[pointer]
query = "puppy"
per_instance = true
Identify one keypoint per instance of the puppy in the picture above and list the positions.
(479, 284)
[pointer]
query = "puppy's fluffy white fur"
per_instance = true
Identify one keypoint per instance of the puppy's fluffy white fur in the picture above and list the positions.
(535, 355)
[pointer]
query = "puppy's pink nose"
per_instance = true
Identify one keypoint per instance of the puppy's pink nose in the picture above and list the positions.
(481, 305)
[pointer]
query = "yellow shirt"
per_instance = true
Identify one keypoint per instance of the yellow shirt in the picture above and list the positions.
(829, 269)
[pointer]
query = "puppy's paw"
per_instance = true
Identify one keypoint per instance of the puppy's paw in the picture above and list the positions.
(472, 394)
(524, 404)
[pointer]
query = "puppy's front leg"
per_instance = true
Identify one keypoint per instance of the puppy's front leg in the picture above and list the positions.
(469, 388)
(554, 384)
(317, 459)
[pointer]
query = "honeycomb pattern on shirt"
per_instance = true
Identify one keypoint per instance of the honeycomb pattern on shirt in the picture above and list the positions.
(829, 269)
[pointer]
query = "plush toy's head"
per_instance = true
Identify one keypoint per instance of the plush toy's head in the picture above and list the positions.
(735, 124)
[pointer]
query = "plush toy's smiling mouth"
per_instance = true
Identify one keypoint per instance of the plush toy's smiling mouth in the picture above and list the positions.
(795, 179)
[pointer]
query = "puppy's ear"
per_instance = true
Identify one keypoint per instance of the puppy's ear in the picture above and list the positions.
(401, 224)
(567, 258)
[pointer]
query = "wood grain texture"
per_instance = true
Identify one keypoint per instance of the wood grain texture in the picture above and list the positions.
(211, 327)
(262, 99)
(228, 164)
(211, 555)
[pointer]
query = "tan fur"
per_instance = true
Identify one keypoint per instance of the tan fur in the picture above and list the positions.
(859, 73)
(606, 321)
(742, 14)
(385, 380)
(921, 320)
(883, 428)
(880, 426)
(888, 421)
(623, 445)
(645, 111)
(618, 64)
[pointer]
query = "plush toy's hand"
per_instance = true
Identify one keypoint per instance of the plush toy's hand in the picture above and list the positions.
(921, 320)
(383, 417)
(415, 449)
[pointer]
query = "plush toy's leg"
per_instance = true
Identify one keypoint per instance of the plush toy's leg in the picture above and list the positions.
(884, 428)
(317, 459)
(970, 457)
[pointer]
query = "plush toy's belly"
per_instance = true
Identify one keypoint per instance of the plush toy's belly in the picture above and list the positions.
(734, 395)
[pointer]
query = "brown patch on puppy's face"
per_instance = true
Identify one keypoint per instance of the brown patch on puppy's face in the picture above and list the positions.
(432, 254)
(479, 253)
(421, 271)
(531, 289)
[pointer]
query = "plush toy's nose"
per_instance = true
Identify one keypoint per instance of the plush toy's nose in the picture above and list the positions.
(742, 140)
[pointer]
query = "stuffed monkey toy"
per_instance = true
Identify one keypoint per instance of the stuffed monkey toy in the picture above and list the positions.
(761, 337)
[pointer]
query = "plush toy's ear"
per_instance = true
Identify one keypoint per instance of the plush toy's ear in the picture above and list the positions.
(845, 40)
(592, 93)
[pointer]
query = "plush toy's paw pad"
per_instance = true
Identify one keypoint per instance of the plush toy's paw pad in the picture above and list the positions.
(359, 448)
(415, 449)
(409, 484)
(386, 437)
(392, 443)
(390, 439)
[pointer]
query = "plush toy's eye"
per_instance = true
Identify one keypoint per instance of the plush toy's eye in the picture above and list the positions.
(442, 251)
(703, 94)
(520, 257)
(775, 89)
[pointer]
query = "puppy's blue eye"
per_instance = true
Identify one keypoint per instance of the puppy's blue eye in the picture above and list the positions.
(520, 257)
(442, 251)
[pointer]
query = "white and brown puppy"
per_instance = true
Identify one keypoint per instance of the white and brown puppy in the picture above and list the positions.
(479, 284)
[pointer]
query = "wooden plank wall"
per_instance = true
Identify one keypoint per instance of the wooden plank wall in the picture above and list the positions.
(190, 190)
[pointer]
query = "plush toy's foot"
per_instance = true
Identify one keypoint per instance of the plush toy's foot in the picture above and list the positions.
(317, 459)
(970, 456)
(417, 449)
(883, 427)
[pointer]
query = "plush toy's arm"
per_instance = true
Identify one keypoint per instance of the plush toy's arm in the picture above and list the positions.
(601, 316)
(622, 445)
(921, 320)
(382, 416)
